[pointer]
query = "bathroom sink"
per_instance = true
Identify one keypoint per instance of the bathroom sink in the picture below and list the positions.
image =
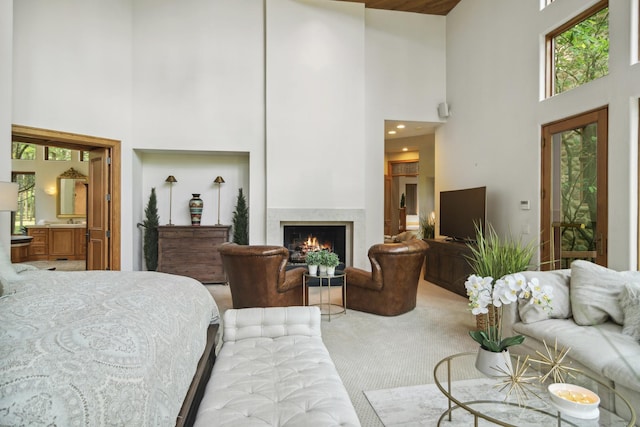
(60, 225)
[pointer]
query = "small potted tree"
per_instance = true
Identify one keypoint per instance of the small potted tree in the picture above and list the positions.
(331, 261)
(312, 259)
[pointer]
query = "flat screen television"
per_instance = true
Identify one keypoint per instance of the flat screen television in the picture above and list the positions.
(460, 210)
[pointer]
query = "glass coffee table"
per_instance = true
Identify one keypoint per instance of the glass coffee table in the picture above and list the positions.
(480, 400)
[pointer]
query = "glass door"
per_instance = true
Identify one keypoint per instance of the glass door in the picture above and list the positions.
(574, 190)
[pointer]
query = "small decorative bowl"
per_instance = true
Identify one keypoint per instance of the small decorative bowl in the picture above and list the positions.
(575, 401)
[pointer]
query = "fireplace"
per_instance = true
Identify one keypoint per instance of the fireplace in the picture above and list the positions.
(300, 239)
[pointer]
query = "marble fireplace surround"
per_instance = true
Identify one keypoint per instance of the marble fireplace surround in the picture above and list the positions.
(352, 219)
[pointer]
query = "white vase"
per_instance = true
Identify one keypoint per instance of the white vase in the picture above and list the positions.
(323, 270)
(493, 364)
(331, 271)
(313, 269)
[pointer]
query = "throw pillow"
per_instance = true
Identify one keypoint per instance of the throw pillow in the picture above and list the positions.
(630, 303)
(594, 292)
(560, 303)
(7, 273)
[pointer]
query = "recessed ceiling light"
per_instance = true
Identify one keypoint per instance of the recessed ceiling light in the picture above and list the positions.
(392, 132)
(405, 149)
(400, 126)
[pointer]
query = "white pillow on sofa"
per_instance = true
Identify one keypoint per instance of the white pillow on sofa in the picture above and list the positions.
(595, 290)
(630, 302)
(560, 302)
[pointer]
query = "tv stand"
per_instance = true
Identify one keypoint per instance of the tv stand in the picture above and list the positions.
(446, 264)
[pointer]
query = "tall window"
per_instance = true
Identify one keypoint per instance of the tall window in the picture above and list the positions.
(578, 51)
(23, 151)
(26, 213)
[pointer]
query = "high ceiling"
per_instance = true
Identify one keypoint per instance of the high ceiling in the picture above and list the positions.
(430, 7)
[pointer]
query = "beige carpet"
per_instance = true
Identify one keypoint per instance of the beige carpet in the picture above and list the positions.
(375, 352)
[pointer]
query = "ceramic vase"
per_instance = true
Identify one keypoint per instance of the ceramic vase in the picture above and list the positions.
(323, 270)
(195, 209)
(493, 364)
(313, 269)
(331, 271)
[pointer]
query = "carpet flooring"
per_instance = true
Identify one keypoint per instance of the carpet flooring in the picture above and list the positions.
(376, 352)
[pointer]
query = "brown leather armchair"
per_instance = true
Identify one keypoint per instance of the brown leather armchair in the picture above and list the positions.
(258, 278)
(392, 285)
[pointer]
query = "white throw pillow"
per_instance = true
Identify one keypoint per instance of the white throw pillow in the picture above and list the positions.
(630, 303)
(7, 273)
(560, 302)
(595, 290)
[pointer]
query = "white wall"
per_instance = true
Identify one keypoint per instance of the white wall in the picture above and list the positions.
(494, 65)
(199, 86)
(72, 72)
(6, 49)
(315, 103)
(190, 76)
(405, 80)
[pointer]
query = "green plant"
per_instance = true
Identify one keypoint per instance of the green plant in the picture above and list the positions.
(428, 226)
(241, 221)
(151, 223)
(313, 258)
(492, 256)
(330, 259)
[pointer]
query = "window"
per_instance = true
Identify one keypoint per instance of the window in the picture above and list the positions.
(84, 156)
(26, 213)
(23, 151)
(57, 153)
(578, 52)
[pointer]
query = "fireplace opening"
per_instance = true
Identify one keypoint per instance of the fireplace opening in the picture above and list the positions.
(300, 239)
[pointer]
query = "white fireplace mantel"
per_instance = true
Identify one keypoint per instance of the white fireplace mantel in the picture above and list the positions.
(354, 219)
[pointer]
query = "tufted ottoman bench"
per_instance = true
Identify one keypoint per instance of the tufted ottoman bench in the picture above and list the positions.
(274, 370)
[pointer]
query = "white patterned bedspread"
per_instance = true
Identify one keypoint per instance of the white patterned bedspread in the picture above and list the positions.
(100, 348)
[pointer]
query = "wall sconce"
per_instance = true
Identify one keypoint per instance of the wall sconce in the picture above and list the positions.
(50, 191)
(219, 180)
(8, 196)
(170, 179)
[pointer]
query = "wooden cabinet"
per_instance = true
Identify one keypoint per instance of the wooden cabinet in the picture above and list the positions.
(39, 248)
(446, 265)
(57, 243)
(192, 251)
(61, 243)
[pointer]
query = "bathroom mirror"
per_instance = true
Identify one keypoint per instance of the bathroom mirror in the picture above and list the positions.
(72, 195)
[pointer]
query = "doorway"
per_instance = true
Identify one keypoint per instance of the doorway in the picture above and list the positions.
(104, 208)
(574, 190)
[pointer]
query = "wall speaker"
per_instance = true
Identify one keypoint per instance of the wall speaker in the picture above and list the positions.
(443, 110)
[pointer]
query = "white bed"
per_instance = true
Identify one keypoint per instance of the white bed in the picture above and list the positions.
(99, 347)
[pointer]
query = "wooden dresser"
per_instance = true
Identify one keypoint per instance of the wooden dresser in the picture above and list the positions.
(192, 251)
(446, 265)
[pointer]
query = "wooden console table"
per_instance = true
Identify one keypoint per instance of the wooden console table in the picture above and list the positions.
(446, 265)
(192, 251)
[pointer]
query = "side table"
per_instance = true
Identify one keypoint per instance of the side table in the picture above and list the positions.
(328, 308)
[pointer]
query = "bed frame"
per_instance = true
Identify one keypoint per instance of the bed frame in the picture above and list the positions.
(189, 410)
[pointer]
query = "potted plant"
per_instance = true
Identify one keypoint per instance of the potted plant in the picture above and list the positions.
(312, 259)
(241, 220)
(150, 224)
(330, 260)
(496, 263)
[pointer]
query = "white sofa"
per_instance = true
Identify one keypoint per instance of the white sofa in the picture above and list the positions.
(596, 313)
(274, 370)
